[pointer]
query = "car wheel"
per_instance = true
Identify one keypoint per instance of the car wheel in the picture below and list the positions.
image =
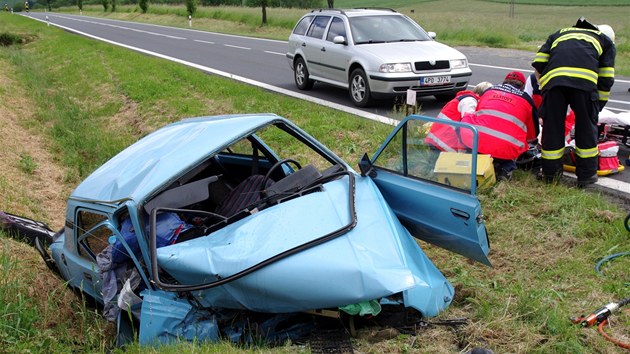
(300, 74)
(445, 97)
(359, 88)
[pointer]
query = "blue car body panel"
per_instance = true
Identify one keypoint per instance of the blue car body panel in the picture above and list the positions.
(158, 158)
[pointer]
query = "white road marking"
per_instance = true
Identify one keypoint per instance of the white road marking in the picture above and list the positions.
(122, 27)
(276, 53)
(237, 47)
(200, 41)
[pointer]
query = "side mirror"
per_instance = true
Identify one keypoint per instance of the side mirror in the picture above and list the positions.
(365, 165)
(339, 40)
(432, 35)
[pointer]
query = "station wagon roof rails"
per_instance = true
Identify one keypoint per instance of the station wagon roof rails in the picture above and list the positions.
(375, 8)
(320, 10)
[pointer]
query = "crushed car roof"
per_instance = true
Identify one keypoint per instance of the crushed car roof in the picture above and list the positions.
(155, 159)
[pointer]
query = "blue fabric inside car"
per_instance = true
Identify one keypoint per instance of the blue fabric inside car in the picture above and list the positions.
(168, 227)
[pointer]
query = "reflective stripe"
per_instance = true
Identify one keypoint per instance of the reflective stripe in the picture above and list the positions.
(607, 72)
(580, 37)
(603, 95)
(443, 116)
(552, 154)
(502, 136)
(504, 116)
(541, 57)
(586, 153)
(579, 73)
(440, 143)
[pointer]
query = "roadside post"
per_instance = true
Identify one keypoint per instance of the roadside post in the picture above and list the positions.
(411, 102)
(189, 21)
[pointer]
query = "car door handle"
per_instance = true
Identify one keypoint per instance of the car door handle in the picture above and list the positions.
(303, 44)
(87, 276)
(460, 214)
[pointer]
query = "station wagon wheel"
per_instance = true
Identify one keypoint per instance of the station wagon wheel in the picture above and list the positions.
(301, 76)
(359, 88)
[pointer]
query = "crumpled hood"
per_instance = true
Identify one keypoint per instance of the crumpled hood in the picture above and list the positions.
(368, 262)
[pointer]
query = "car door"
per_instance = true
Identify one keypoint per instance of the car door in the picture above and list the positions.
(432, 208)
(313, 45)
(91, 233)
(335, 56)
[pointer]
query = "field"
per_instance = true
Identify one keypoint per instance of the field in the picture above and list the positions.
(67, 104)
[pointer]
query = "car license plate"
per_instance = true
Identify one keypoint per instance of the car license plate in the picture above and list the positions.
(435, 80)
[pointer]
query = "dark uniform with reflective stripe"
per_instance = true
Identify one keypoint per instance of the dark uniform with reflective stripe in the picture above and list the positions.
(577, 69)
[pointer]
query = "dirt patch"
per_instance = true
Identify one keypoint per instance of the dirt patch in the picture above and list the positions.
(31, 181)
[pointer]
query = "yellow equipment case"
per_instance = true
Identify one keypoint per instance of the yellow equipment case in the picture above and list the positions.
(453, 169)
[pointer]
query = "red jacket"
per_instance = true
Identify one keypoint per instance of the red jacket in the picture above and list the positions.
(442, 136)
(506, 119)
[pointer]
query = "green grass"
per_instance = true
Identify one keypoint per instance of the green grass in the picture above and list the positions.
(92, 99)
(31, 320)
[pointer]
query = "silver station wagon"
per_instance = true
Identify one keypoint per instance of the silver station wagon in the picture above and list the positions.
(375, 53)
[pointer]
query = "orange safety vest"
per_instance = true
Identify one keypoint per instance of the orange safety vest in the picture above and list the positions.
(442, 136)
(506, 119)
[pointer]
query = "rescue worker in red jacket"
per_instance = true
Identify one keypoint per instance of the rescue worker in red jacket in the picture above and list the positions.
(507, 120)
(443, 137)
(575, 67)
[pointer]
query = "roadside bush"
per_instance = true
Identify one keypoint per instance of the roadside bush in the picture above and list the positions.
(144, 5)
(7, 39)
(191, 7)
(221, 2)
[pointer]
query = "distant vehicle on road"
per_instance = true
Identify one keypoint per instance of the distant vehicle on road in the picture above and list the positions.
(375, 53)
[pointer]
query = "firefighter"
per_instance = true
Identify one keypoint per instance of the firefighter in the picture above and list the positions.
(533, 90)
(574, 67)
(443, 137)
(507, 121)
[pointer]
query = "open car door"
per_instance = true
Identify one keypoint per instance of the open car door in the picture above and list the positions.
(444, 211)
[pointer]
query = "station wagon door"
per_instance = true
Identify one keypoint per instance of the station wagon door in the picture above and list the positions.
(442, 211)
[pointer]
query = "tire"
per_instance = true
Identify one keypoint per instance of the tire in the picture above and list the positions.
(300, 75)
(359, 88)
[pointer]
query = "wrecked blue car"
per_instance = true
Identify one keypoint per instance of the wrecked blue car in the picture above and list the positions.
(249, 212)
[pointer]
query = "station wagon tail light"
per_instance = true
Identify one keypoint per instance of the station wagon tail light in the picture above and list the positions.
(395, 68)
(459, 63)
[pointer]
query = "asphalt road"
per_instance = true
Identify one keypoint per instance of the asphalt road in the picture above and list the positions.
(263, 63)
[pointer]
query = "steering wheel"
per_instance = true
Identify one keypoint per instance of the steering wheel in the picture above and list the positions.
(272, 169)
